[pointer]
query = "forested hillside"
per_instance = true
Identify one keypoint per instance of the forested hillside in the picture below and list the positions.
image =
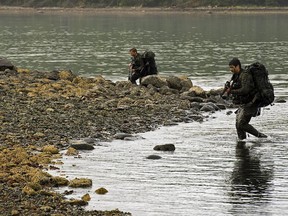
(142, 3)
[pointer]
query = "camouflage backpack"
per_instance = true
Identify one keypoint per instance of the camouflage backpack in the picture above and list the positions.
(263, 85)
(149, 62)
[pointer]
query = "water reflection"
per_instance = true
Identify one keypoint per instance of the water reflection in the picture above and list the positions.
(250, 180)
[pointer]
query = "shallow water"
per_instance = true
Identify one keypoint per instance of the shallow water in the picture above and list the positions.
(208, 174)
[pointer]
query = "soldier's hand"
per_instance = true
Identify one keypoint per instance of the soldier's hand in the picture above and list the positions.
(227, 85)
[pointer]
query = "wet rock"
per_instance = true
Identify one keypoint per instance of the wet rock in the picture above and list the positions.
(184, 104)
(153, 157)
(207, 108)
(80, 183)
(81, 145)
(210, 100)
(66, 192)
(34, 186)
(215, 92)
(195, 117)
(221, 106)
(86, 197)
(42, 178)
(9, 72)
(66, 75)
(53, 75)
(6, 64)
(195, 105)
(216, 108)
(76, 202)
(165, 147)
(59, 181)
(165, 90)
(280, 100)
(229, 112)
(198, 91)
(101, 191)
(186, 83)
(174, 82)
(154, 80)
(122, 136)
(50, 149)
(71, 152)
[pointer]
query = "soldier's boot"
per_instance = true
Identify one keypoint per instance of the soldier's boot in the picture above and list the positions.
(261, 135)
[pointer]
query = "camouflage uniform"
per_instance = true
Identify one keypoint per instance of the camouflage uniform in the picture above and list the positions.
(243, 93)
(137, 67)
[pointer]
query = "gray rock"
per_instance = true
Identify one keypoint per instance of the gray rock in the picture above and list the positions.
(165, 147)
(197, 118)
(207, 108)
(229, 112)
(154, 80)
(122, 136)
(174, 82)
(280, 100)
(153, 157)
(81, 145)
(6, 64)
(221, 106)
(195, 105)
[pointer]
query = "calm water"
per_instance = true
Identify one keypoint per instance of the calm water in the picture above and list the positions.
(207, 174)
(198, 46)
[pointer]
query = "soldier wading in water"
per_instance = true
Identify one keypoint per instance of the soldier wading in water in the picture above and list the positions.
(243, 91)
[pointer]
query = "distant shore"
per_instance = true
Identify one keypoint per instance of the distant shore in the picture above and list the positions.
(144, 10)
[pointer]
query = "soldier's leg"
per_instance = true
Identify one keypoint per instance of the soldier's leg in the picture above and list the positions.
(243, 118)
(134, 77)
(239, 121)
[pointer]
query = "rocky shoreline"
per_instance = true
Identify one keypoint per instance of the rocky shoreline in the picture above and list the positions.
(43, 113)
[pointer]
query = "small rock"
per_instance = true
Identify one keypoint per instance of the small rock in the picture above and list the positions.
(154, 157)
(59, 181)
(50, 149)
(280, 101)
(229, 112)
(86, 197)
(80, 182)
(165, 147)
(81, 145)
(121, 136)
(71, 152)
(101, 191)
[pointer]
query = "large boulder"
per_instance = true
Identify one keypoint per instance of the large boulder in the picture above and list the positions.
(181, 83)
(154, 80)
(197, 91)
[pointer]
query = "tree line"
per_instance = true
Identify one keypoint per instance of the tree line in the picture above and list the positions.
(141, 3)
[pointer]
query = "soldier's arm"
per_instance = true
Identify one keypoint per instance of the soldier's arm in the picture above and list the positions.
(247, 85)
